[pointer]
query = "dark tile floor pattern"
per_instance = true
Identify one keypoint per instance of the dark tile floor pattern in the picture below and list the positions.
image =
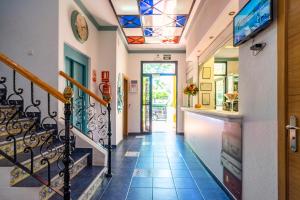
(166, 169)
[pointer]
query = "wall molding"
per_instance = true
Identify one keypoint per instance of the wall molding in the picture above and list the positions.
(157, 51)
(226, 59)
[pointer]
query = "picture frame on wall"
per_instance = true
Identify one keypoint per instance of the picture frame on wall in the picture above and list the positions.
(205, 99)
(206, 73)
(206, 86)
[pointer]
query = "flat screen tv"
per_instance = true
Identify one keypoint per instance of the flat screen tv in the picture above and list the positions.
(254, 17)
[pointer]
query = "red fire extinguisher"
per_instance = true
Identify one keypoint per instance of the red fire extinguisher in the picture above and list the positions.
(104, 86)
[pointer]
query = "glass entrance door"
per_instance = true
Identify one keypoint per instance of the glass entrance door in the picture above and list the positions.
(147, 104)
(158, 97)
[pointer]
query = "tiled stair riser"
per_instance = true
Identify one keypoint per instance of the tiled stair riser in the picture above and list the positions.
(90, 191)
(8, 147)
(7, 112)
(58, 181)
(17, 174)
(11, 129)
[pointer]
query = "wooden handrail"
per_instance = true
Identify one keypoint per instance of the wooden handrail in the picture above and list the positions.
(31, 77)
(84, 89)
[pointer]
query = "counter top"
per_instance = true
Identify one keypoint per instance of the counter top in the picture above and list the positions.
(214, 113)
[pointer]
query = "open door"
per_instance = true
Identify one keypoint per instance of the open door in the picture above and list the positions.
(125, 110)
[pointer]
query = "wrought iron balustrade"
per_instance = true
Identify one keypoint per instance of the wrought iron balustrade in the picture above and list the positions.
(91, 116)
(27, 128)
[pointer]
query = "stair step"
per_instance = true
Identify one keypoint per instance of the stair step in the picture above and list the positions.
(17, 174)
(83, 182)
(7, 111)
(25, 124)
(7, 147)
(57, 182)
(32, 182)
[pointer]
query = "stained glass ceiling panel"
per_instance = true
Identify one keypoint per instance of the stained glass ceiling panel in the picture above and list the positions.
(152, 21)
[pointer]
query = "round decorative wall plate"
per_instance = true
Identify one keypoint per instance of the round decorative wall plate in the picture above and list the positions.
(79, 26)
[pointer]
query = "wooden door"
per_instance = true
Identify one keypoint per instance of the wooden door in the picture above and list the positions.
(289, 98)
(125, 111)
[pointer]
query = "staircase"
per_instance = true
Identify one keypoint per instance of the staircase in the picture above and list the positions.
(42, 154)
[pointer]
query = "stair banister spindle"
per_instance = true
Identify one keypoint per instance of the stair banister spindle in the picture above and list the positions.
(68, 93)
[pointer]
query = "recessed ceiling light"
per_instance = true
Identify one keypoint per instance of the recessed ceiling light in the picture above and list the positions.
(231, 13)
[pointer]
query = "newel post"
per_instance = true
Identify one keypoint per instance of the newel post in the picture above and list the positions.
(68, 93)
(109, 147)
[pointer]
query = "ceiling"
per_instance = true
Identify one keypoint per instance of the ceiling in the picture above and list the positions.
(152, 21)
(148, 24)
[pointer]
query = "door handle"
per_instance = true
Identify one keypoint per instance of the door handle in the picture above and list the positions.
(289, 127)
(292, 128)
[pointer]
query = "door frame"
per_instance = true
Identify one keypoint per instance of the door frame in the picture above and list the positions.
(125, 110)
(141, 93)
(282, 98)
(76, 56)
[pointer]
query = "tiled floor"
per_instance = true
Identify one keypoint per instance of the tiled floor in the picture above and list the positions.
(165, 169)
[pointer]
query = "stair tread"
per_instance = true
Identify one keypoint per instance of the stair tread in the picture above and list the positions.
(32, 182)
(25, 156)
(81, 182)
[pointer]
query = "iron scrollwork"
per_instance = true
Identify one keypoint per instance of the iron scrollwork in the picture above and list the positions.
(29, 130)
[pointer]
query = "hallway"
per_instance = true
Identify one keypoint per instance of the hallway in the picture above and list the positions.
(158, 166)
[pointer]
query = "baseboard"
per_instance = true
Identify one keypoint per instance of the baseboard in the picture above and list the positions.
(137, 133)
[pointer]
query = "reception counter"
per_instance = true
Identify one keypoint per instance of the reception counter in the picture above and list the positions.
(216, 138)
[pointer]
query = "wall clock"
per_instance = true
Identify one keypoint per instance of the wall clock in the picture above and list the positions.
(79, 26)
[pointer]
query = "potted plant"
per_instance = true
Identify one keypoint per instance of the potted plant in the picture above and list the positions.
(191, 90)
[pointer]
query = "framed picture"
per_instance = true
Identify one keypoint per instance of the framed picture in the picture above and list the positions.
(220, 69)
(206, 86)
(205, 99)
(206, 73)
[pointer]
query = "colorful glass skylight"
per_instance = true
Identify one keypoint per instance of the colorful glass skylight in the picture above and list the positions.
(152, 21)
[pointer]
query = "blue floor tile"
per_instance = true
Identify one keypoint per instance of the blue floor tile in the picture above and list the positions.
(159, 165)
(141, 182)
(164, 194)
(179, 173)
(166, 169)
(184, 183)
(214, 195)
(140, 193)
(189, 194)
(162, 173)
(163, 183)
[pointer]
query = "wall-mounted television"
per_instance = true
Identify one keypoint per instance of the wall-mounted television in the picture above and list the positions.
(254, 17)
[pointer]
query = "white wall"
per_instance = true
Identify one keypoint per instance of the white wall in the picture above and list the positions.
(134, 73)
(121, 67)
(106, 52)
(31, 27)
(258, 105)
(90, 48)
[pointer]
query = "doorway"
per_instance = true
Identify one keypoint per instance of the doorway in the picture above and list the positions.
(76, 66)
(125, 110)
(159, 97)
